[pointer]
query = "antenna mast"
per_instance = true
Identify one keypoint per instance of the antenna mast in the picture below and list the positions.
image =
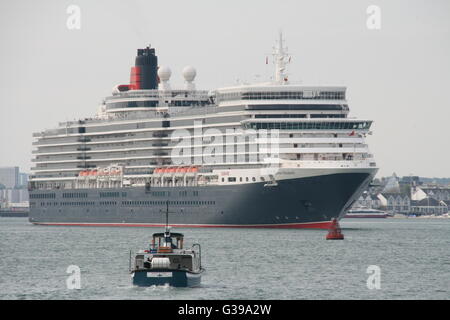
(281, 59)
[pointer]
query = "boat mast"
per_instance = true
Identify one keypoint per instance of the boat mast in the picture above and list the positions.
(167, 216)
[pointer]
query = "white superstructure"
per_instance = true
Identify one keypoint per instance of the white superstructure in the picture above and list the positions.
(138, 131)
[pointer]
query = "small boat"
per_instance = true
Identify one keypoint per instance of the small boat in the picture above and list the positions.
(366, 213)
(166, 261)
(14, 212)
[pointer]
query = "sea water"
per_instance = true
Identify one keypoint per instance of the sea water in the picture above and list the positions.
(379, 259)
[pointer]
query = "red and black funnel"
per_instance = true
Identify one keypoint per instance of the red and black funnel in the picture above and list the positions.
(144, 74)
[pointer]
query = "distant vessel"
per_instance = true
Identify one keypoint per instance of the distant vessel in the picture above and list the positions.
(265, 155)
(14, 212)
(366, 213)
(168, 262)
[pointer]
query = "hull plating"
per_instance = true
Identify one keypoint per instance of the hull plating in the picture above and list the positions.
(310, 202)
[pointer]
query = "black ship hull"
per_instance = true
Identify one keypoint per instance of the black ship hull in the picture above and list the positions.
(309, 202)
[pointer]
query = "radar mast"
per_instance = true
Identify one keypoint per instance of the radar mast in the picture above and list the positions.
(281, 58)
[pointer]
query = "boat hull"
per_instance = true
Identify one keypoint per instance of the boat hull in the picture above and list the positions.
(173, 278)
(372, 216)
(14, 214)
(303, 202)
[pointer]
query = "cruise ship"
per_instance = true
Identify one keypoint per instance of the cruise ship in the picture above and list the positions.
(266, 155)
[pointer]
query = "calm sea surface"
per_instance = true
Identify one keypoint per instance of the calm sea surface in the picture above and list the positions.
(413, 256)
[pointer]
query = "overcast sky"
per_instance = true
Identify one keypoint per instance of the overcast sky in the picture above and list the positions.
(398, 76)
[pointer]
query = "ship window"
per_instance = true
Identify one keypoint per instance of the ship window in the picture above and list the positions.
(232, 179)
(246, 179)
(253, 179)
(309, 125)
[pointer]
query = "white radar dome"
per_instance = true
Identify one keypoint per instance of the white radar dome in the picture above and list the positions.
(164, 73)
(189, 73)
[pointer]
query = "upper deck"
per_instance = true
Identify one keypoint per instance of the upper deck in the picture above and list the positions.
(157, 99)
(273, 91)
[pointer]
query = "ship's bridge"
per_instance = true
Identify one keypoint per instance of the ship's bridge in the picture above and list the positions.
(260, 93)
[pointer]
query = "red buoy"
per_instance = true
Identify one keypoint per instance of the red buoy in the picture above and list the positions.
(334, 232)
